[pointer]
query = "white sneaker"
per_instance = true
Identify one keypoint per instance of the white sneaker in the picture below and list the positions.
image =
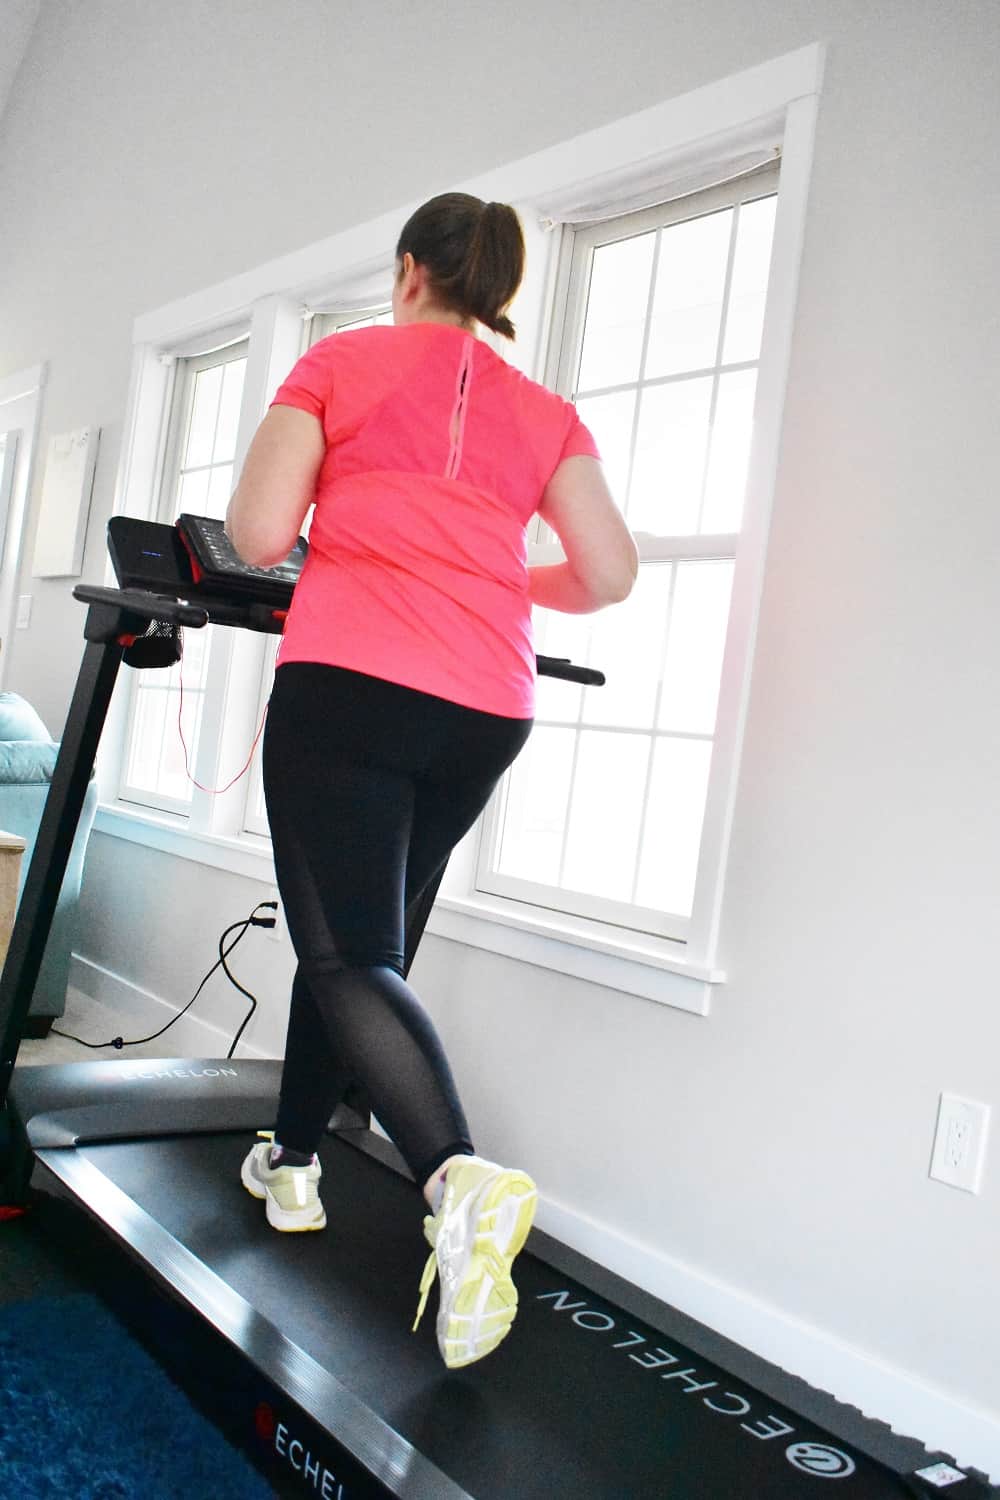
(293, 1202)
(482, 1224)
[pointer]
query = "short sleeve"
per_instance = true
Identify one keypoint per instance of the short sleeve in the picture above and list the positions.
(308, 384)
(579, 440)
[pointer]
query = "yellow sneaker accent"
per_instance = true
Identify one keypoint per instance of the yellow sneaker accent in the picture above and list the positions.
(291, 1193)
(481, 1226)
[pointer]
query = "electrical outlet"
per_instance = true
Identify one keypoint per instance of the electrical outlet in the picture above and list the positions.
(960, 1142)
(277, 932)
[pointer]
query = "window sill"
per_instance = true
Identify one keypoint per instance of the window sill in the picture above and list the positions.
(249, 856)
(649, 968)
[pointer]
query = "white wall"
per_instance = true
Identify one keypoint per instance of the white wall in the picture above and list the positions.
(776, 1152)
(19, 17)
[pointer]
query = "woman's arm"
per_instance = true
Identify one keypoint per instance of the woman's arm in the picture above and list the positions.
(601, 557)
(276, 486)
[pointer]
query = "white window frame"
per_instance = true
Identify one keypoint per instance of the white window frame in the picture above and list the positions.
(186, 370)
(573, 278)
(20, 422)
(316, 325)
(179, 398)
(657, 153)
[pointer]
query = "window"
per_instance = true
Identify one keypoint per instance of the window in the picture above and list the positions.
(167, 715)
(524, 895)
(320, 326)
(197, 477)
(602, 815)
(323, 324)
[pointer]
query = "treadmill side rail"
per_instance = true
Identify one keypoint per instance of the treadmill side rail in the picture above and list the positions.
(370, 1441)
(124, 1099)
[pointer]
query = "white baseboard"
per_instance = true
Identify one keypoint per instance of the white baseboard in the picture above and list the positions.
(912, 1407)
(192, 1036)
(883, 1392)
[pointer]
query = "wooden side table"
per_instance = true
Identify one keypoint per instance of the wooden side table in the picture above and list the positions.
(11, 849)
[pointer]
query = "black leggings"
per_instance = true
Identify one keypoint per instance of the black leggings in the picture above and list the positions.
(369, 786)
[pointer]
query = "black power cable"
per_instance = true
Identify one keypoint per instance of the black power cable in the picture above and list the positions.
(240, 928)
(223, 955)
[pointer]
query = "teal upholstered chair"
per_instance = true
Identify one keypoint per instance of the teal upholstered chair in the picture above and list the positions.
(27, 759)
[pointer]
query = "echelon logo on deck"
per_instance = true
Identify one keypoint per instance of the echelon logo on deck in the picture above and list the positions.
(820, 1459)
(816, 1459)
(150, 1075)
(292, 1451)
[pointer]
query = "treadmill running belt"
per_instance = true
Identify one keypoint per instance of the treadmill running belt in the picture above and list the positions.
(582, 1400)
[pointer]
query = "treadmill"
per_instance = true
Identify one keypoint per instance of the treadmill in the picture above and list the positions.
(601, 1392)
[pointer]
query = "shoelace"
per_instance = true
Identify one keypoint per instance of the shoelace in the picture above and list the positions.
(426, 1282)
(483, 1246)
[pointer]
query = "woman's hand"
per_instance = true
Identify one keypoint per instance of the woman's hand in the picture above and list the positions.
(277, 486)
(601, 557)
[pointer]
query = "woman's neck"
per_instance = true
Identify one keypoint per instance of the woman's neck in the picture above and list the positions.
(433, 312)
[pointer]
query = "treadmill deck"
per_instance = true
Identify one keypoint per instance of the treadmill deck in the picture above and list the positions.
(583, 1399)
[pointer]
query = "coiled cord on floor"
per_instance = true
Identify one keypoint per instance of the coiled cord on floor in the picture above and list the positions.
(240, 928)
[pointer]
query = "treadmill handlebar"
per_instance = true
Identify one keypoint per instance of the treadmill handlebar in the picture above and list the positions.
(139, 604)
(147, 606)
(561, 666)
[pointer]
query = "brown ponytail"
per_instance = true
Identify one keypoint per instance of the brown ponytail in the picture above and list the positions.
(473, 252)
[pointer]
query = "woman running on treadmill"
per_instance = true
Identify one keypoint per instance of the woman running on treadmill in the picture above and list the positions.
(404, 690)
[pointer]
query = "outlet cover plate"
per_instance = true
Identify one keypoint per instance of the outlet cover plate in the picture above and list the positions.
(960, 1142)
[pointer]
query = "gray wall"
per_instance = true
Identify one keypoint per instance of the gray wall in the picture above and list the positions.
(782, 1145)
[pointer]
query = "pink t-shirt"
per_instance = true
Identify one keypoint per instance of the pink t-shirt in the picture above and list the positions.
(438, 453)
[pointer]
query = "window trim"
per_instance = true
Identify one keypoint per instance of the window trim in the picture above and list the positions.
(21, 396)
(316, 324)
(229, 346)
(186, 369)
(774, 104)
(578, 247)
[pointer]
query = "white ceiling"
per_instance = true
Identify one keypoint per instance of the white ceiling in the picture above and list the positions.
(18, 22)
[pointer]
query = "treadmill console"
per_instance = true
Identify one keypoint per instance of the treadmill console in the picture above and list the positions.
(195, 560)
(147, 555)
(215, 561)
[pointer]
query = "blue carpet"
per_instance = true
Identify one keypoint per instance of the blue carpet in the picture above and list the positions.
(86, 1412)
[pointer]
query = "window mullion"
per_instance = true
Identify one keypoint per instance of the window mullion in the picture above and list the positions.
(203, 758)
(252, 820)
(182, 408)
(650, 302)
(710, 547)
(202, 468)
(720, 346)
(569, 802)
(572, 780)
(215, 425)
(171, 704)
(573, 286)
(657, 699)
(678, 378)
(634, 438)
